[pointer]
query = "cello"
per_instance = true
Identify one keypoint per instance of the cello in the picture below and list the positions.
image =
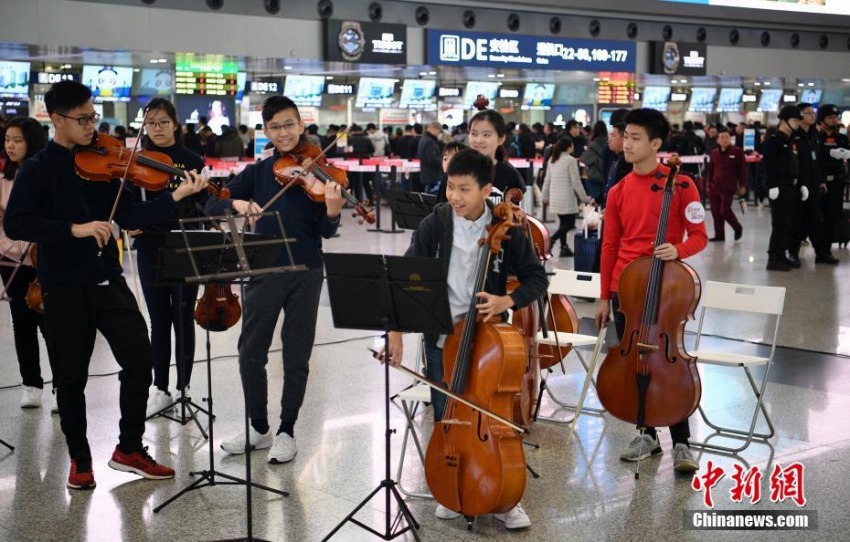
(474, 465)
(649, 379)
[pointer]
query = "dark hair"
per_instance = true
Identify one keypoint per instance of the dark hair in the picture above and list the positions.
(803, 105)
(600, 129)
(498, 122)
(243, 129)
(275, 104)
(453, 147)
(562, 144)
(313, 129)
(473, 163)
(652, 121)
(34, 137)
(417, 128)
(65, 96)
(688, 125)
(371, 126)
(203, 120)
(168, 108)
(572, 123)
(722, 130)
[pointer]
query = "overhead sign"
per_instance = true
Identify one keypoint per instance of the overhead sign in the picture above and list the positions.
(676, 58)
(355, 41)
(48, 78)
(449, 92)
(486, 49)
(341, 89)
(265, 86)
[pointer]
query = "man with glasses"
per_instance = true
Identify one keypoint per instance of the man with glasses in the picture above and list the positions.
(84, 290)
(296, 293)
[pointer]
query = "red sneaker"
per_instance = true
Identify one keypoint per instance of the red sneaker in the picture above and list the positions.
(140, 463)
(81, 475)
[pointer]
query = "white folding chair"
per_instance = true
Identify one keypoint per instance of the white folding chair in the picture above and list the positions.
(728, 297)
(572, 284)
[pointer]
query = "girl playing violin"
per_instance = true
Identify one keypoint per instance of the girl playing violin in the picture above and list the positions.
(451, 233)
(163, 134)
(24, 138)
(84, 290)
(631, 223)
(294, 293)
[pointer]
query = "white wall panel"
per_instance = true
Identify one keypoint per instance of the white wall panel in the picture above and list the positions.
(777, 63)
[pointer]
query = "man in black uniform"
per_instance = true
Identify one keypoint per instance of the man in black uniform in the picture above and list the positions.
(808, 223)
(834, 150)
(781, 173)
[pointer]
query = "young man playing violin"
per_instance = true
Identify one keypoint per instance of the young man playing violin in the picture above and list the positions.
(631, 223)
(294, 293)
(84, 291)
(452, 233)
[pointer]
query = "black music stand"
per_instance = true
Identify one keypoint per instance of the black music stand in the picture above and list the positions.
(409, 208)
(409, 294)
(231, 256)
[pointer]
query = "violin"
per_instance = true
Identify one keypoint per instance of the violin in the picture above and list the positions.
(475, 465)
(218, 308)
(305, 166)
(107, 158)
(649, 379)
(34, 297)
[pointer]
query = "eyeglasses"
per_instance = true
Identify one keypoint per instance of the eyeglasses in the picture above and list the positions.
(288, 126)
(82, 121)
(164, 124)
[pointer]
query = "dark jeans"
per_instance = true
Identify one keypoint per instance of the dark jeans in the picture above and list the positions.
(434, 372)
(680, 432)
(783, 217)
(721, 212)
(297, 294)
(566, 223)
(25, 324)
(73, 314)
(164, 307)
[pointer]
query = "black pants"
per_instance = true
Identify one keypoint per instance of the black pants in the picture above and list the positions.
(680, 432)
(783, 218)
(164, 307)
(25, 324)
(73, 314)
(809, 224)
(832, 204)
(566, 223)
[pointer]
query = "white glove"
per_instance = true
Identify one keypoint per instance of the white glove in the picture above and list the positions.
(804, 190)
(773, 193)
(840, 154)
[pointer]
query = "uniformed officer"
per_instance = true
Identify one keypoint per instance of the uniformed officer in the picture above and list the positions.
(781, 173)
(834, 150)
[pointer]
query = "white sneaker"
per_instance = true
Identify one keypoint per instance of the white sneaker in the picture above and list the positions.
(283, 450)
(259, 441)
(515, 518)
(446, 513)
(54, 406)
(31, 397)
(158, 402)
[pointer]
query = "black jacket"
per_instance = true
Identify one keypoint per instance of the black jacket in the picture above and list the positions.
(430, 159)
(807, 156)
(781, 165)
(433, 239)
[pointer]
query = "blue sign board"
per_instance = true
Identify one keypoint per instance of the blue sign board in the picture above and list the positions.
(448, 47)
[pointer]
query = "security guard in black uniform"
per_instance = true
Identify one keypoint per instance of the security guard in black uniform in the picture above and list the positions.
(781, 172)
(809, 217)
(834, 150)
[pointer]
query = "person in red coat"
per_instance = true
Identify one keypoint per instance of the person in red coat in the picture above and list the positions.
(726, 175)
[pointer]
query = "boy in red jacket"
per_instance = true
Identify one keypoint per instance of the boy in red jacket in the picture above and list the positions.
(631, 223)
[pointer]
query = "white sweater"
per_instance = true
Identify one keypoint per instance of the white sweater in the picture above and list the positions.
(562, 186)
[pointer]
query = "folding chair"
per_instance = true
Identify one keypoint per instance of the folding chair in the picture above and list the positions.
(575, 284)
(728, 297)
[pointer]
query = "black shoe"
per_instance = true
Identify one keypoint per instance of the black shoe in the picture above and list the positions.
(778, 266)
(739, 233)
(827, 259)
(566, 252)
(717, 240)
(793, 261)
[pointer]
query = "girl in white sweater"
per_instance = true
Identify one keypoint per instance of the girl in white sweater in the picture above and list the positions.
(562, 190)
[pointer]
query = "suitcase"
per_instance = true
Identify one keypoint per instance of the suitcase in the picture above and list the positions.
(588, 248)
(842, 229)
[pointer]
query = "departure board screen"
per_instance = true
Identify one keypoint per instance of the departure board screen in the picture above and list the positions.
(614, 89)
(205, 83)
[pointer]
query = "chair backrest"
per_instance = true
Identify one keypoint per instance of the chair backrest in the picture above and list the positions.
(575, 283)
(743, 297)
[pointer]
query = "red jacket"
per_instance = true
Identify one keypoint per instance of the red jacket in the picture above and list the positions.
(727, 171)
(631, 223)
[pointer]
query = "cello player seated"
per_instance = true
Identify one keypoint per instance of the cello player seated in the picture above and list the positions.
(451, 233)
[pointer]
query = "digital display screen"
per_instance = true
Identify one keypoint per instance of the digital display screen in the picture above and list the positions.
(417, 93)
(108, 83)
(203, 83)
(305, 89)
(811, 96)
(153, 82)
(474, 88)
(730, 100)
(218, 111)
(770, 98)
(702, 99)
(14, 79)
(656, 97)
(538, 96)
(615, 92)
(375, 92)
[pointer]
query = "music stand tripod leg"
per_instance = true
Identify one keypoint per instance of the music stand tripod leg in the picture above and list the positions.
(7, 445)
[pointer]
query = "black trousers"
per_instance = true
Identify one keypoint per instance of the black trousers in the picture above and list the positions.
(680, 432)
(73, 314)
(809, 224)
(565, 224)
(783, 219)
(832, 204)
(25, 324)
(164, 304)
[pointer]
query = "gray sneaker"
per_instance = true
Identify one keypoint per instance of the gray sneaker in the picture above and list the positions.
(683, 459)
(641, 447)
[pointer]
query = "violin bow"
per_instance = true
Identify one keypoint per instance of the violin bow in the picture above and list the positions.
(18, 265)
(133, 152)
(132, 268)
(306, 170)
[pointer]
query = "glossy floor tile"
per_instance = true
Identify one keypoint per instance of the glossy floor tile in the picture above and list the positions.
(584, 491)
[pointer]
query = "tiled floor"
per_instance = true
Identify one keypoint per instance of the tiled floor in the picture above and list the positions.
(584, 493)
